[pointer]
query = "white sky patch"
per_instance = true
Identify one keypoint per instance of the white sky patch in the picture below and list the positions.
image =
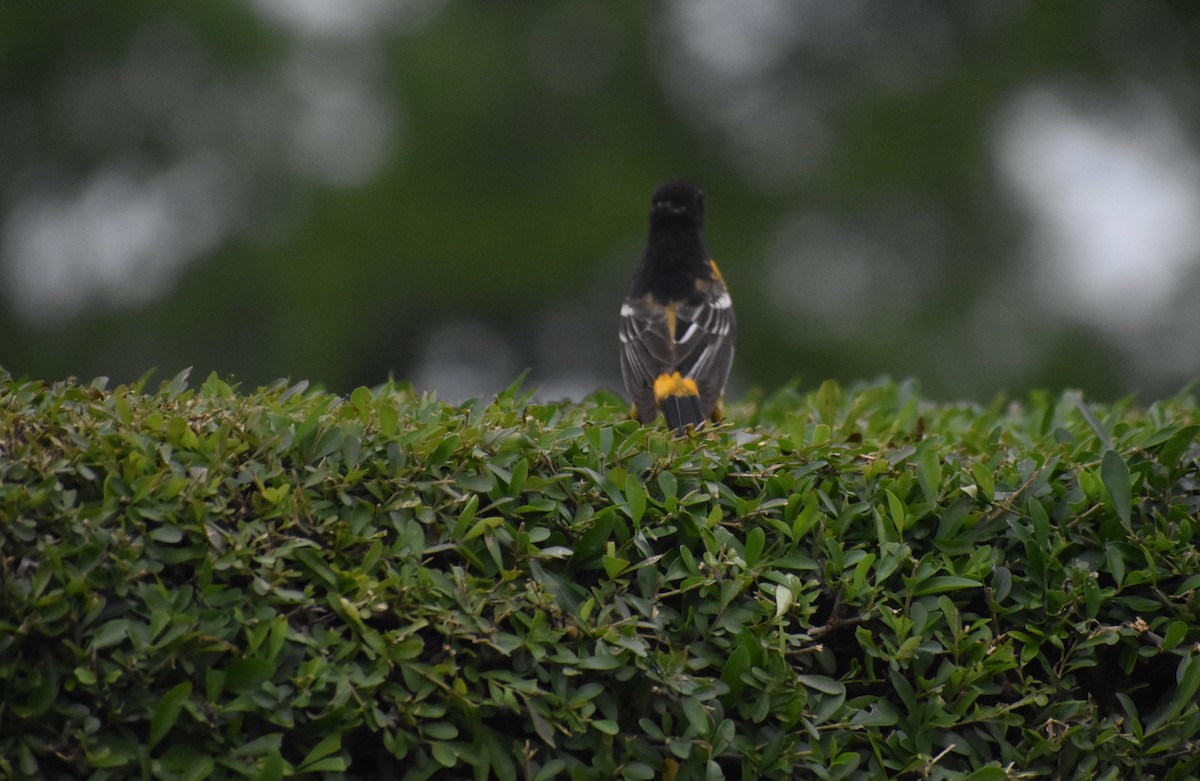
(343, 127)
(122, 238)
(345, 18)
(121, 235)
(1113, 191)
(465, 359)
(726, 64)
(322, 17)
(741, 39)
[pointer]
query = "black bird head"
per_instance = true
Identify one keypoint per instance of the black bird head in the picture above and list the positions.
(677, 202)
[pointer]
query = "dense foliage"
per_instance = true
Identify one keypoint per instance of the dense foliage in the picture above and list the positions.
(202, 582)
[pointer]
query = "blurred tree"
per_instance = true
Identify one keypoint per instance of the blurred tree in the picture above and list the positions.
(452, 191)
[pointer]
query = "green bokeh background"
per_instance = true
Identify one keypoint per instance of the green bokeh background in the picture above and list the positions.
(497, 228)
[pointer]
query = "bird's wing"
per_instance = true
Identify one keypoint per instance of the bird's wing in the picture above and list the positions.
(647, 350)
(705, 332)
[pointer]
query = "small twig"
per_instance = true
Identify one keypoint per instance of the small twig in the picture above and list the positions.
(834, 624)
(937, 759)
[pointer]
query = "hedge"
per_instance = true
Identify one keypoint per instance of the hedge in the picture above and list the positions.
(201, 582)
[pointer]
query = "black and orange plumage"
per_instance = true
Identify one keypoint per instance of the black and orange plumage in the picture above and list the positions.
(677, 323)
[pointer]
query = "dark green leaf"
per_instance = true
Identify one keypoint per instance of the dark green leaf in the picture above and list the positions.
(940, 584)
(735, 667)
(823, 684)
(243, 675)
(1188, 678)
(167, 711)
(329, 745)
(755, 542)
(635, 498)
(1117, 481)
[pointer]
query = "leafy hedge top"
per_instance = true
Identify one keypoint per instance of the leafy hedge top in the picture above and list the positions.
(206, 583)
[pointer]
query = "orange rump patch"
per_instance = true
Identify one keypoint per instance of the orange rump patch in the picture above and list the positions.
(667, 385)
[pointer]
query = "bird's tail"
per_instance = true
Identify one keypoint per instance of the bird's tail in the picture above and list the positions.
(679, 400)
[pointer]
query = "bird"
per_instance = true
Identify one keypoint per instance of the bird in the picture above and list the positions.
(677, 327)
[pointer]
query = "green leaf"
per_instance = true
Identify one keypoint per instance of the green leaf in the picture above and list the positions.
(827, 399)
(806, 518)
(520, 474)
(513, 392)
(898, 514)
(501, 757)
(1115, 474)
(696, 715)
(1091, 419)
(1188, 585)
(983, 478)
(541, 724)
(360, 399)
(444, 754)
(178, 383)
(242, 675)
(1132, 718)
(440, 730)
(272, 767)
(188, 762)
(1175, 634)
(110, 633)
(442, 451)
(167, 711)
(822, 683)
(737, 665)
(929, 473)
(784, 598)
(1188, 677)
(988, 773)
(40, 698)
(260, 746)
(313, 562)
(113, 752)
(123, 408)
(1116, 563)
(306, 432)
(881, 713)
(613, 565)
(389, 418)
(599, 662)
(329, 745)
(939, 584)
(635, 498)
(756, 540)
(483, 526)
(166, 534)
